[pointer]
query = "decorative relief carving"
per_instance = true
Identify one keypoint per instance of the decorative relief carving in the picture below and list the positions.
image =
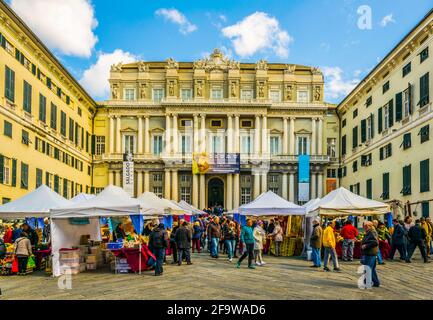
(217, 61)
(199, 89)
(115, 91)
(317, 93)
(262, 65)
(117, 67)
(233, 91)
(143, 67)
(261, 89)
(289, 92)
(172, 64)
(290, 69)
(171, 88)
(316, 71)
(143, 89)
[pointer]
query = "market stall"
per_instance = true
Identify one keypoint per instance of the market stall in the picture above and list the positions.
(341, 203)
(270, 205)
(70, 224)
(82, 197)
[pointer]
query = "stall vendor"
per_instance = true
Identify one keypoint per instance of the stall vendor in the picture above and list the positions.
(119, 233)
(31, 234)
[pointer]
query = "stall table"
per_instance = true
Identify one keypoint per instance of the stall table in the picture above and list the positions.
(384, 247)
(133, 256)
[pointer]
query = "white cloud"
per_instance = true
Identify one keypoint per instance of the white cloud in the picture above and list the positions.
(95, 78)
(387, 20)
(177, 17)
(65, 26)
(336, 86)
(258, 32)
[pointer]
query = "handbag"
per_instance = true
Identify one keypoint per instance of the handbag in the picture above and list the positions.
(15, 265)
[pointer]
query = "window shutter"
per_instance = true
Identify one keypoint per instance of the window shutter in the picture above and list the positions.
(339, 173)
(1, 168)
(93, 144)
(363, 130)
(343, 145)
(372, 125)
(14, 172)
(381, 153)
(389, 146)
(391, 113)
(424, 175)
(355, 137)
(398, 106)
(409, 90)
(385, 186)
(379, 120)
(47, 178)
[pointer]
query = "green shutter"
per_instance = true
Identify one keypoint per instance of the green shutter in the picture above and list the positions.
(38, 177)
(9, 84)
(381, 153)
(93, 144)
(391, 113)
(369, 191)
(47, 179)
(385, 186)
(425, 206)
(1, 168)
(14, 172)
(56, 183)
(380, 120)
(355, 137)
(372, 125)
(343, 145)
(363, 130)
(424, 175)
(398, 106)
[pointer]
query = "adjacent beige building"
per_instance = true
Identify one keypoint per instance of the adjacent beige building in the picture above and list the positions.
(386, 148)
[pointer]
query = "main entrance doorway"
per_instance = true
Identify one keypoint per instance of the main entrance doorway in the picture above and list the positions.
(215, 192)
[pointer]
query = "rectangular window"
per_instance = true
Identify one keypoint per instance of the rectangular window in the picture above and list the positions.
(386, 151)
(158, 191)
(385, 87)
(407, 103)
(9, 84)
(343, 123)
(157, 95)
(79, 111)
(6, 170)
(245, 195)
(186, 94)
(25, 137)
(355, 113)
(406, 69)
(303, 96)
(129, 94)
(53, 116)
(407, 141)
(407, 185)
(185, 194)
(27, 97)
(366, 160)
(424, 90)
(42, 108)
(24, 176)
(423, 55)
(424, 133)
(355, 166)
(38, 177)
(65, 188)
(331, 173)
(100, 145)
(385, 186)
(71, 129)
(129, 144)
(275, 95)
(246, 144)
(246, 94)
(273, 178)
(399, 106)
(331, 147)
(63, 123)
(246, 124)
(369, 189)
(7, 129)
(216, 94)
(343, 145)
(424, 176)
(217, 144)
(216, 124)
(303, 146)
(186, 144)
(275, 145)
(369, 101)
(186, 123)
(157, 145)
(157, 177)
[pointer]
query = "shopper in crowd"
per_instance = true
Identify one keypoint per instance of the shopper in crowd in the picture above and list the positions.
(426, 226)
(196, 237)
(31, 234)
(397, 241)
(183, 242)
(259, 239)
(222, 244)
(379, 254)
(119, 232)
(278, 238)
(214, 235)
(369, 250)
(271, 226)
(8, 236)
(247, 238)
(349, 234)
(229, 234)
(329, 244)
(383, 232)
(239, 244)
(173, 245)
(46, 233)
(428, 220)
(417, 237)
(16, 233)
(316, 243)
(158, 240)
(23, 250)
(2, 249)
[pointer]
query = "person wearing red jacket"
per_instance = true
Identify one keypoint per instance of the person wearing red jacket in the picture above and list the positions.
(349, 234)
(7, 238)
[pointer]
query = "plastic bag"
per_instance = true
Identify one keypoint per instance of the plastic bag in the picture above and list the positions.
(15, 265)
(31, 263)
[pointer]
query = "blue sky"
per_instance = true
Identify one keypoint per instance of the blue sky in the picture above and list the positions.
(89, 35)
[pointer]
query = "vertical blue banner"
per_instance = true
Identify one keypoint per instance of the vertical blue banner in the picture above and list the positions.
(303, 178)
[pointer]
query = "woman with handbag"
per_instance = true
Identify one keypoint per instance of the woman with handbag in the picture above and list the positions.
(22, 250)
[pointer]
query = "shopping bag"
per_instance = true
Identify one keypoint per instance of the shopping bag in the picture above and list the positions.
(31, 263)
(15, 265)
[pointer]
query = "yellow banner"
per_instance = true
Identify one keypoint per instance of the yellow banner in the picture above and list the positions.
(200, 163)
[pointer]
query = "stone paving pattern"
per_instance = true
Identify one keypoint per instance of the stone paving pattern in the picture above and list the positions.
(210, 279)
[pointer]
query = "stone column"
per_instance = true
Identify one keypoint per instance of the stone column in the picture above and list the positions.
(175, 135)
(256, 189)
(291, 187)
(320, 137)
(202, 192)
(313, 194)
(139, 183)
(146, 181)
(146, 135)
(229, 194)
(196, 134)
(264, 181)
(284, 186)
(118, 136)
(140, 135)
(195, 191)
(167, 184)
(313, 136)
(237, 135)
(111, 177)
(257, 137)
(229, 133)
(292, 136)
(167, 135)
(236, 190)
(111, 134)
(174, 183)
(319, 185)
(285, 136)
(119, 181)
(203, 133)
(264, 135)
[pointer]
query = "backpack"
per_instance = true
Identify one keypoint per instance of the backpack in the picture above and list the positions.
(158, 239)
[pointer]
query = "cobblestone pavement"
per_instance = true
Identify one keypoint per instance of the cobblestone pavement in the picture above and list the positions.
(280, 278)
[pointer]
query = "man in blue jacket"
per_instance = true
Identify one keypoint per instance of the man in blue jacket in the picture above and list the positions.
(397, 241)
(247, 239)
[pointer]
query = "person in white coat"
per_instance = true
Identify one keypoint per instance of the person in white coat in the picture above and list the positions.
(259, 239)
(278, 238)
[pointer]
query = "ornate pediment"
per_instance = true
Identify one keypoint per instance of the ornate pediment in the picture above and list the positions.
(303, 131)
(216, 61)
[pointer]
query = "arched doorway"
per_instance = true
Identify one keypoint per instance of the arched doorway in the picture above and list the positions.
(215, 192)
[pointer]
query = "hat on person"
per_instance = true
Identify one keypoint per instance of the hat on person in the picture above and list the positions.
(161, 226)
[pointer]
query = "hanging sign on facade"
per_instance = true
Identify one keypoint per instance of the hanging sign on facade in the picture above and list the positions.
(216, 163)
(304, 178)
(128, 173)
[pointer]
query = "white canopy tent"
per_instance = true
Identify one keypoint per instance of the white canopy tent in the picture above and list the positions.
(112, 201)
(186, 206)
(270, 204)
(342, 202)
(35, 204)
(160, 206)
(82, 197)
